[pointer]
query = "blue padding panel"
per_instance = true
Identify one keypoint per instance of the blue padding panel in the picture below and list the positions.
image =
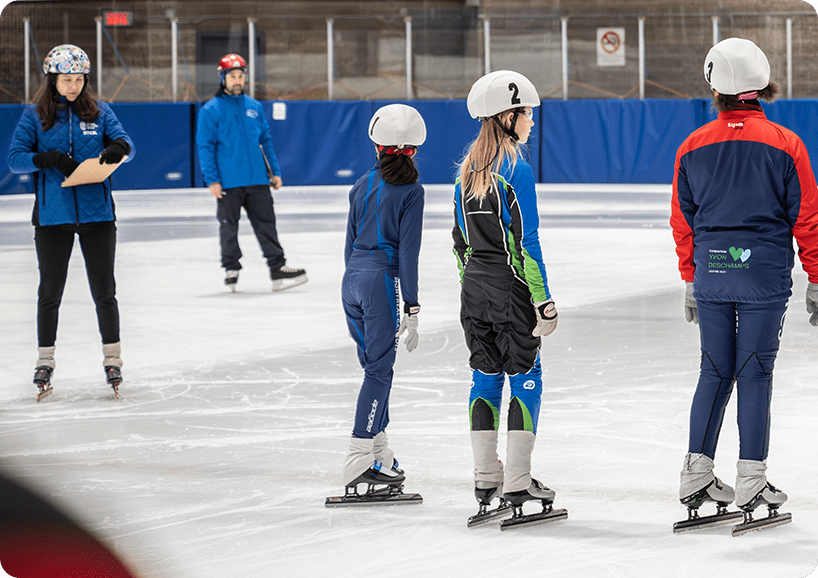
(614, 141)
(321, 143)
(10, 183)
(801, 117)
(161, 133)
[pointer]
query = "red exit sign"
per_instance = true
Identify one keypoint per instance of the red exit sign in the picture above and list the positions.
(123, 18)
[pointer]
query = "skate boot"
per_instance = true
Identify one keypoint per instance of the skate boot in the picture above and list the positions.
(753, 490)
(231, 278)
(520, 487)
(286, 277)
(385, 455)
(699, 485)
(384, 485)
(113, 375)
(488, 478)
(42, 379)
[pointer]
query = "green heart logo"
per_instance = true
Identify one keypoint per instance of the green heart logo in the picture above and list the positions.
(736, 253)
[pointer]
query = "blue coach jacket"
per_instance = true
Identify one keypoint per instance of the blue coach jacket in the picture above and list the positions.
(81, 140)
(228, 134)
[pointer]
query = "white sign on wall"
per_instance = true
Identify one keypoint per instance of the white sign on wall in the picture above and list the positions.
(610, 47)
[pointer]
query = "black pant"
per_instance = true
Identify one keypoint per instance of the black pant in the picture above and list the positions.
(258, 203)
(54, 245)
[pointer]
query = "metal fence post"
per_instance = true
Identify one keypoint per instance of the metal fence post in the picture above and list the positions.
(564, 20)
(251, 57)
(174, 60)
(486, 44)
(27, 58)
(789, 57)
(99, 56)
(330, 58)
(408, 23)
(715, 29)
(641, 58)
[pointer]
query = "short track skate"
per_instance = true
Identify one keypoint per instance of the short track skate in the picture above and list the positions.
(113, 375)
(485, 515)
(381, 490)
(773, 518)
(537, 492)
(696, 522)
(42, 379)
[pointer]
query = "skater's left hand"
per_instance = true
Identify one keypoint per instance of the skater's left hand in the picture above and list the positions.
(812, 303)
(546, 313)
(691, 311)
(409, 323)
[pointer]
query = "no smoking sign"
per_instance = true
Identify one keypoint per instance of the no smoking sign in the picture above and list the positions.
(610, 47)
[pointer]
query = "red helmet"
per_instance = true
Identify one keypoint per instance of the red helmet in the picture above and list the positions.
(230, 62)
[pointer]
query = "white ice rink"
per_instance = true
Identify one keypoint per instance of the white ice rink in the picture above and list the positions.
(236, 408)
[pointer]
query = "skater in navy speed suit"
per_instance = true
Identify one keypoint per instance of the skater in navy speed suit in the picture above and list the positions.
(743, 188)
(505, 302)
(381, 257)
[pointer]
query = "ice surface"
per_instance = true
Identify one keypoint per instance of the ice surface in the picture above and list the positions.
(236, 408)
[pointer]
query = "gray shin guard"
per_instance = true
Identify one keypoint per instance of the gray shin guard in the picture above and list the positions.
(45, 357)
(382, 452)
(518, 460)
(112, 354)
(488, 470)
(697, 473)
(751, 478)
(360, 457)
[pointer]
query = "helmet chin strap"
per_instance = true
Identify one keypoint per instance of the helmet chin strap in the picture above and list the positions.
(509, 131)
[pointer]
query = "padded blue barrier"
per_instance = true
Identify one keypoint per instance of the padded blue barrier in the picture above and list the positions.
(614, 141)
(801, 117)
(161, 132)
(10, 183)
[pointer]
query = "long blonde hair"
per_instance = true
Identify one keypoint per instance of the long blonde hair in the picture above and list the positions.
(486, 155)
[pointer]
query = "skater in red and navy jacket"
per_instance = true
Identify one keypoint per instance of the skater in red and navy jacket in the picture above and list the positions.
(743, 188)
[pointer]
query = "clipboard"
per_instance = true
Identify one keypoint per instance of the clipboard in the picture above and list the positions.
(90, 171)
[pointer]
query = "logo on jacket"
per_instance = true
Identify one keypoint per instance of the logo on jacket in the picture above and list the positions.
(736, 125)
(88, 128)
(740, 254)
(719, 259)
(252, 113)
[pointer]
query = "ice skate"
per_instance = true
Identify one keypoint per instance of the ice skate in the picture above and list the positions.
(488, 478)
(42, 379)
(520, 487)
(699, 485)
(231, 279)
(287, 277)
(753, 490)
(113, 375)
(484, 498)
(384, 484)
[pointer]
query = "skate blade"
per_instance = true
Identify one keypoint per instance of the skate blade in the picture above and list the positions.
(282, 284)
(534, 519)
(373, 500)
(44, 392)
(762, 524)
(232, 288)
(116, 391)
(706, 522)
(480, 519)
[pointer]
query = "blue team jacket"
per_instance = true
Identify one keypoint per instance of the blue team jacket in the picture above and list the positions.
(82, 140)
(228, 134)
(384, 229)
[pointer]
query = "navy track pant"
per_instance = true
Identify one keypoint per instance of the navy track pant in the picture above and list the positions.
(739, 343)
(371, 305)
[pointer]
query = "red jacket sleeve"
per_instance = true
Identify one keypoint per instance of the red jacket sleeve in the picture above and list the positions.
(681, 219)
(805, 229)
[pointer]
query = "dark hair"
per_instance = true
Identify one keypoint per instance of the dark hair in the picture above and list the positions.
(398, 169)
(725, 102)
(85, 105)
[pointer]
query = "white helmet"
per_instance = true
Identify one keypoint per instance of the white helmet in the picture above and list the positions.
(66, 59)
(735, 66)
(397, 125)
(500, 91)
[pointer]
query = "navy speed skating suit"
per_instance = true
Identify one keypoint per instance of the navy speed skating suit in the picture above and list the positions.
(381, 256)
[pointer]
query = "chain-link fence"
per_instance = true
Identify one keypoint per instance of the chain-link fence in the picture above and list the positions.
(167, 51)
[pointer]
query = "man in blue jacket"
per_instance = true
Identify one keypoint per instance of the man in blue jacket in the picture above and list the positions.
(239, 165)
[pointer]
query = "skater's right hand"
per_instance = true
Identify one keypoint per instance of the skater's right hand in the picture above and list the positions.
(812, 303)
(409, 323)
(546, 313)
(216, 190)
(691, 311)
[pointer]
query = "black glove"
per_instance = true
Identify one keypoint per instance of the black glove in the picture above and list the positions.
(57, 159)
(115, 151)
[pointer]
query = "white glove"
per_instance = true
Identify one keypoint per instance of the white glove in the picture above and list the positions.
(409, 323)
(691, 311)
(812, 303)
(546, 313)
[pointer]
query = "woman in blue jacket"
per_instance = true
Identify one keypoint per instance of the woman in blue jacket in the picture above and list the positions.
(381, 257)
(67, 126)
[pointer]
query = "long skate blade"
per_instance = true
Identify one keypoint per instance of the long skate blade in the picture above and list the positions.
(116, 391)
(44, 392)
(534, 519)
(373, 500)
(490, 515)
(706, 522)
(762, 523)
(282, 284)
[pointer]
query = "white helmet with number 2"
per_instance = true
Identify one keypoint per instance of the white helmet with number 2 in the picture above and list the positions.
(500, 91)
(397, 125)
(735, 66)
